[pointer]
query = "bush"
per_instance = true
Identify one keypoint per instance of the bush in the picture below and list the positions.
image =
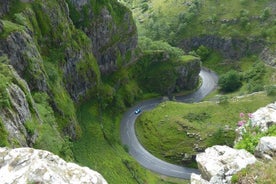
(255, 77)
(230, 81)
(148, 44)
(223, 99)
(3, 135)
(203, 52)
(270, 90)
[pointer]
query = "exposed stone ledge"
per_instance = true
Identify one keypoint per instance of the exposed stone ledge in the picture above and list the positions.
(266, 148)
(218, 163)
(28, 165)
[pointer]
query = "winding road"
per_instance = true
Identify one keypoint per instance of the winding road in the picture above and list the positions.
(147, 160)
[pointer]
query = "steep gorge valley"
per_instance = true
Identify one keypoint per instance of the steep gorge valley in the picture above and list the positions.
(69, 69)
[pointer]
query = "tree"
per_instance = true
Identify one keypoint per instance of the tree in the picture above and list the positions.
(230, 81)
(203, 52)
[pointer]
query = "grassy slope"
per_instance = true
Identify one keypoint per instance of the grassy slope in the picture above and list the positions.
(178, 19)
(203, 118)
(259, 173)
(104, 153)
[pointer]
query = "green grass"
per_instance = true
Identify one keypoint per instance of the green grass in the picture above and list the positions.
(3, 135)
(188, 58)
(173, 20)
(99, 148)
(9, 27)
(164, 130)
(262, 172)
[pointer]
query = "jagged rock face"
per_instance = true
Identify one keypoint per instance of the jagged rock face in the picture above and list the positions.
(197, 179)
(79, 3)
(1, 27)
(79, 74)
(15, 116)
(264, 117)
(4, 7)
(218, 163)
(266, 148)
(188, 75)
(105, 29)
(269, 56)
(27, 165)
(230, 48)
(25, 58)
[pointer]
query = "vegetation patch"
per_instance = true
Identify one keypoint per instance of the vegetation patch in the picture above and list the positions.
(173, 21)
(175, 132)
(261, 172)
(99, 147)
(9, 27)
(3, 135)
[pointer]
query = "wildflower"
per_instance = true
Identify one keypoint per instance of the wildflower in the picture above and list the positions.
(250, 115)
(241, 123)
(241, 115)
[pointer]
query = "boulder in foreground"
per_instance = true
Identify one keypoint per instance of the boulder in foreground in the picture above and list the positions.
(218, 163)
(28, 165)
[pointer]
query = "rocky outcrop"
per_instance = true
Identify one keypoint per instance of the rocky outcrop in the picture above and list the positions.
(27, 165)
(188, 74)
(269, 56)
(15, 116)
(81, 72)
(229, 48)
(1, 27)
(197, 179)
(24, 56)
(218, 163)
(264, 117)
(105, 26)
(4, 7)
(266, 148)
(166, 73)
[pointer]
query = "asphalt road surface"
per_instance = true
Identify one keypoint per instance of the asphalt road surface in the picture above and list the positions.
(147, 160)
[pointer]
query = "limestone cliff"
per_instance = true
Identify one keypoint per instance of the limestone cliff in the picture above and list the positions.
(27, 165)
(4, 7)
(166, 74)
(41, 43)
(229, 48)
(110, 27)
(16, 109)
(24, 56)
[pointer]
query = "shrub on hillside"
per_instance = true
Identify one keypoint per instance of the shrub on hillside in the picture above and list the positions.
(148, 44)
(230, 81)
(270, 90)
(254, 77)
(203, 52)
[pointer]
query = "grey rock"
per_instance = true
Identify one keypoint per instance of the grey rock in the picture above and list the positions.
(1, 27)
(28, 165)
(268, 56)
(266, 148)
(15, 117)
(197, 179)
(105, 31)
(78, 80)
(230, 48)
(4, 7)
(188, 75)
(264, 117)
(218, 163)
(79, 3)
(18, 113)
(24, 56)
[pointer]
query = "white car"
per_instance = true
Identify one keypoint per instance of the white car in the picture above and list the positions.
(137, 111)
